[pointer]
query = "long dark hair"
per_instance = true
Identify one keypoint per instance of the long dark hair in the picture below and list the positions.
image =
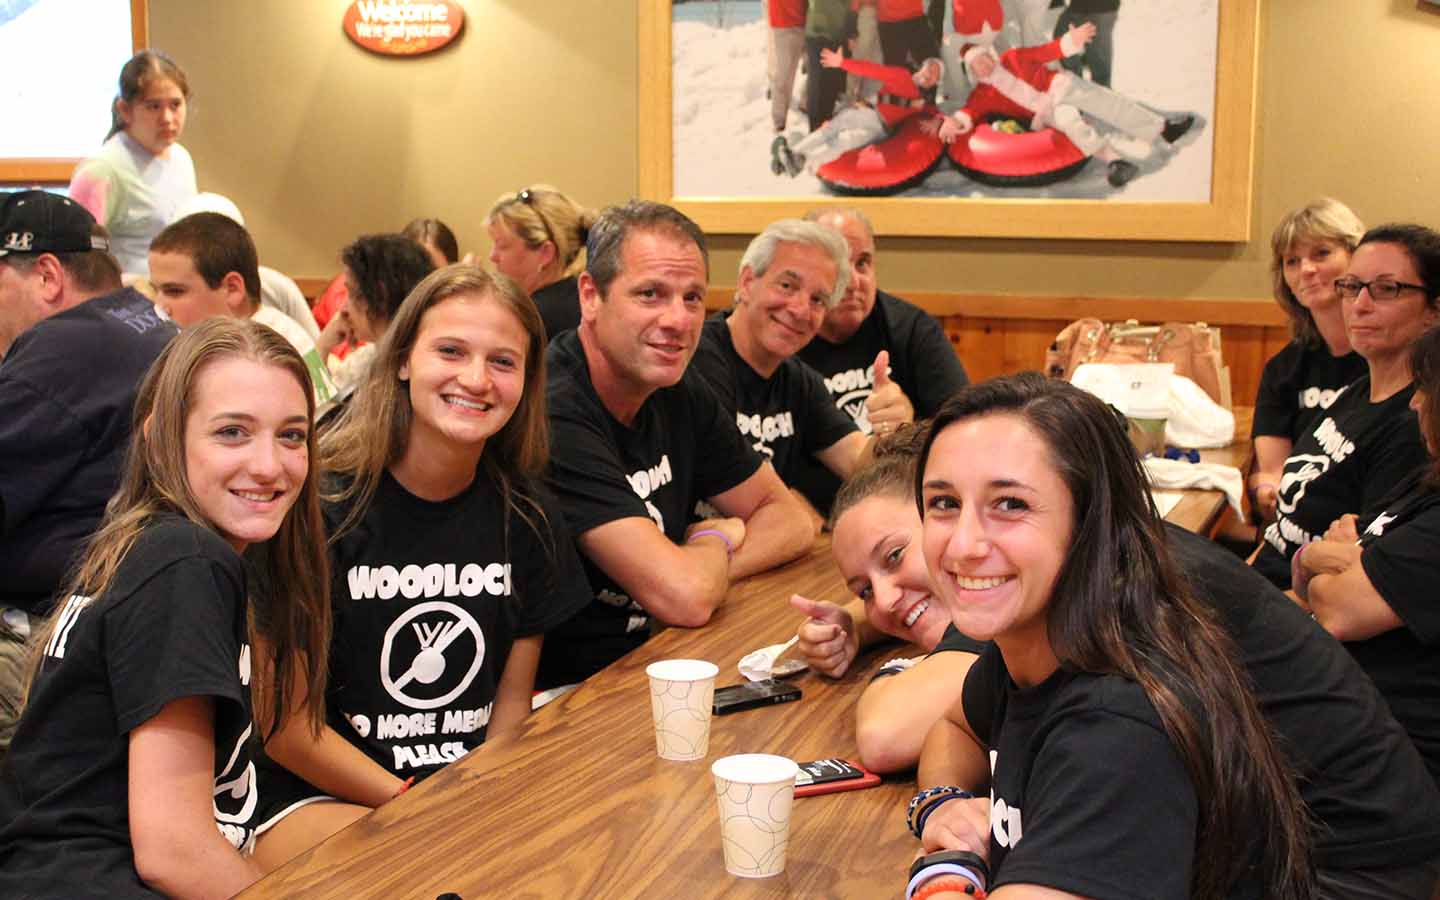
(289, 622)
(1425, 367)
(1120, 606)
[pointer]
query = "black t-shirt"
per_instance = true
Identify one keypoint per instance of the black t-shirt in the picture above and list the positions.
(1350, 461)
(171, 625)
(1363, 781)
(67, 392)
(1361, 778)
(1400, 559)
(682, 448)
(428, 599)
(1087, 793)
(559, 305)
(1298, 384)
(922, 363)
(788, 416)
(955, 639)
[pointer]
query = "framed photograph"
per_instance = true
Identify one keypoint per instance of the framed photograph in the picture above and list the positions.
(69, 108)
(987, 118)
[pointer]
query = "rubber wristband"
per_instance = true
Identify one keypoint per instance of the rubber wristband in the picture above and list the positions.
(936, 880)
(713, 532)
(929, 794)
(409, 783)
(924, 816)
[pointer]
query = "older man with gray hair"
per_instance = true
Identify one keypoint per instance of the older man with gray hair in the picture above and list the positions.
(790, 275)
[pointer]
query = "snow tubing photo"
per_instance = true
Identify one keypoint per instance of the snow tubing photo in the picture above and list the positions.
(884, 167)
(1004, 159)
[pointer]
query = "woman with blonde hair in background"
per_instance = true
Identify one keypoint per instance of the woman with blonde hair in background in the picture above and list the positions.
(1309, 249)
(538, 238)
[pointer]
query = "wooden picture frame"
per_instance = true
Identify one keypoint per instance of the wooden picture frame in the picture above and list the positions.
(1226, 217)
(57, 170)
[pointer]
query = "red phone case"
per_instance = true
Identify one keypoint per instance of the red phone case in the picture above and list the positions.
(868, 779)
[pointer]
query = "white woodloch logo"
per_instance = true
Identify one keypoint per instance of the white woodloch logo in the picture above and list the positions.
(403, 27)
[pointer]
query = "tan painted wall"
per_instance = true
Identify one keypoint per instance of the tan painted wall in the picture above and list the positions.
(319, 141)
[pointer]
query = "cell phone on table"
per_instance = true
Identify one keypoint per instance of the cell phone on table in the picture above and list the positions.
(826, 776)
(751, 694)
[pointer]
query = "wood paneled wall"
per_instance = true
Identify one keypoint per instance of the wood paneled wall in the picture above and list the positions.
(996, 334)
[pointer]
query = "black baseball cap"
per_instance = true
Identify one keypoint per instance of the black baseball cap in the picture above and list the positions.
(42, 222)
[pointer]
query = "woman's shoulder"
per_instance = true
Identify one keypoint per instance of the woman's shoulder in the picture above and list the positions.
(168, 540)
(1091, 699)
(169, 534)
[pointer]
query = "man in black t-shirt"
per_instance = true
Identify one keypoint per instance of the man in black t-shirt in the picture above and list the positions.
(924, 369)
(75, 346)
(637, 439)
(791, 273)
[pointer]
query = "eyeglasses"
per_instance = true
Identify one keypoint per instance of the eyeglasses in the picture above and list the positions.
(527, 197)
(1380, 289)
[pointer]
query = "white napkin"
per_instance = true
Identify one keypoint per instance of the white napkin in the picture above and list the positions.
(760, 664)
(1177, 473)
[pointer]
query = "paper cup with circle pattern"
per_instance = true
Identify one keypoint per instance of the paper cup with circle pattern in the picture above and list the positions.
(755, 792)
(682, 692)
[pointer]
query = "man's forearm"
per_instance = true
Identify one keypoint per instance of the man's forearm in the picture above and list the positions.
(776, 533)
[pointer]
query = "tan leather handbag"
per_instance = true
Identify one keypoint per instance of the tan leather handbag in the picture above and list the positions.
(1193, 349)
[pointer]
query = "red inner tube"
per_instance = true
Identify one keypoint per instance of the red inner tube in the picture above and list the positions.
(1030, 157)
(885, 166)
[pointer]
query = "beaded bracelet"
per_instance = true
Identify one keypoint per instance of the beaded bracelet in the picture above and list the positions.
(713, 532)
(928, 794)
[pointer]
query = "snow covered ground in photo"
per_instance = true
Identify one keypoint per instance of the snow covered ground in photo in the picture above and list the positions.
(1164, 57)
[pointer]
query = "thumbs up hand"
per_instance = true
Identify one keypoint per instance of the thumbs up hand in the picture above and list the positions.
(887, 407)
(828, 641)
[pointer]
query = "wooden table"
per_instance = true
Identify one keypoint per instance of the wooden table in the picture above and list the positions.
(1200, 511)
(577, 804)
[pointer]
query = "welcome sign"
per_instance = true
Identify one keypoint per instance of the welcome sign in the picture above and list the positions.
(403, 27)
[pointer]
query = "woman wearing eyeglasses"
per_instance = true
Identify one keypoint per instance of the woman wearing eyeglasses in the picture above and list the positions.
(537, 237)
(1368, 441)
(1371, 582)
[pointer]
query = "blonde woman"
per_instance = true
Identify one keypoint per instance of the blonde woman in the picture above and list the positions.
(1309, 249)
(538, 238)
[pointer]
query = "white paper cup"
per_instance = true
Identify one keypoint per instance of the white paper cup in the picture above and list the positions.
(755, 792)
(682, 692)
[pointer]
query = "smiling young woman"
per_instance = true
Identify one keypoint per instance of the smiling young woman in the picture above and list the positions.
(449, 560)
(145, 673)
(1040, 535)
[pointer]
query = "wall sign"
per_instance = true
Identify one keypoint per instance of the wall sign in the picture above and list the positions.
(403, 27)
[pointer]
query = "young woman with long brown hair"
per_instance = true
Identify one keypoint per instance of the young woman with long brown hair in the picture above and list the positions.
(1111, 718)
(449, 560)
(130, 774)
